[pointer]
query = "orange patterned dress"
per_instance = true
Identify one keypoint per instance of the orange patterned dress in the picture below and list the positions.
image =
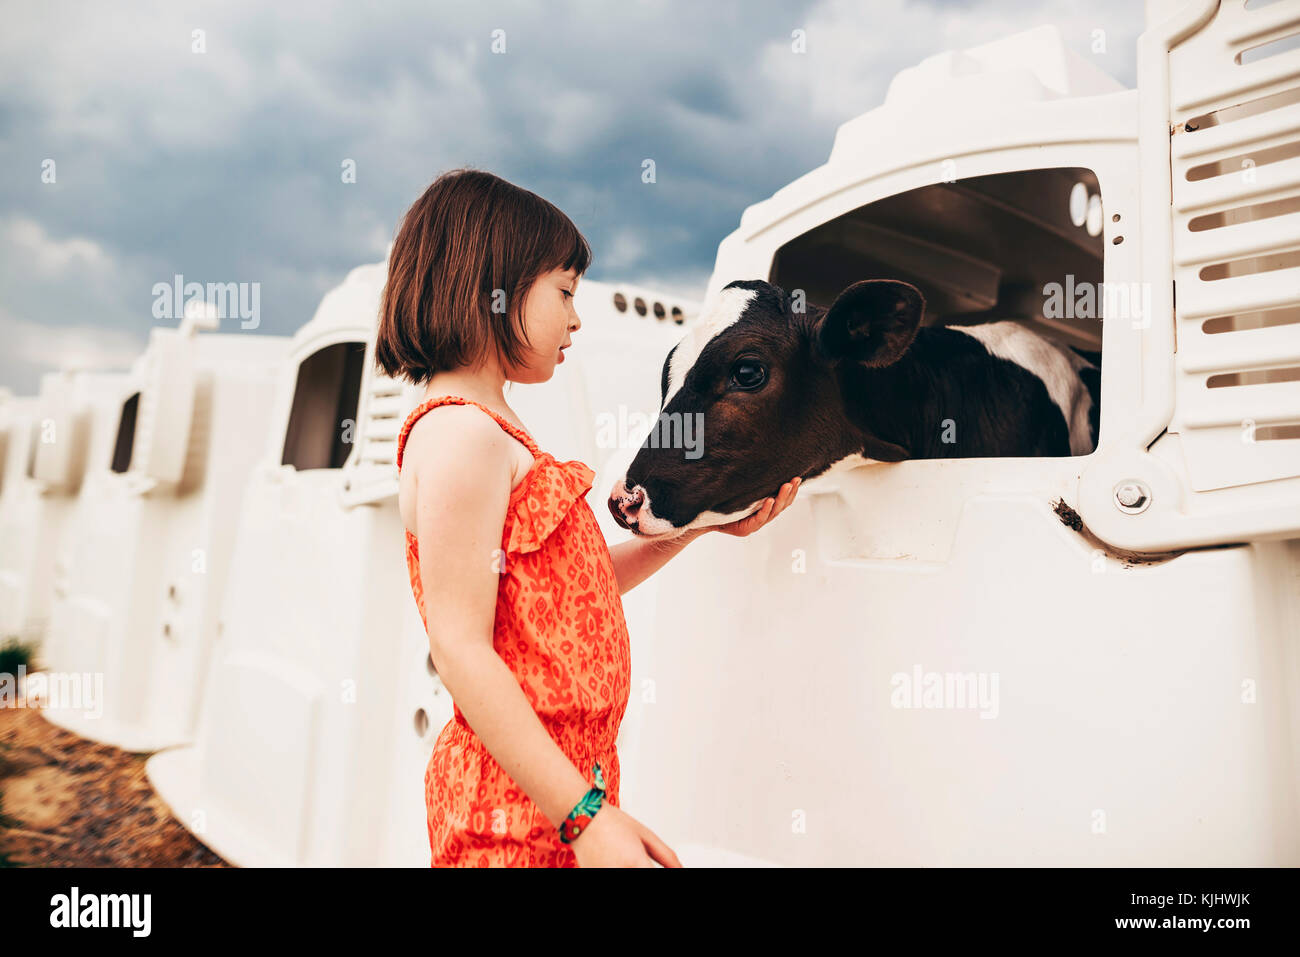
(559, 627)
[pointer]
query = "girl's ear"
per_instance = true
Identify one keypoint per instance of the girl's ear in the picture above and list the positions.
(872, 322)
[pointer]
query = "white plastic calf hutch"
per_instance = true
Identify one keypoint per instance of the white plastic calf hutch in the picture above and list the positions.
(1118, 710)
(73, 426)
(305, 607)
(145, 561)
(18, 436)
(322, 706)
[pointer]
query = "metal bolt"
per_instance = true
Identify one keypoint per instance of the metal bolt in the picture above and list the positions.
(1132, 497)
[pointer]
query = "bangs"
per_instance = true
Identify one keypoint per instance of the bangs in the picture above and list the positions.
(561, 245)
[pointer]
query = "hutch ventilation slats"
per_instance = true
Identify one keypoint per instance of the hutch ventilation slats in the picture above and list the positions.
(1235, 295)
(1236, 216)
(1243, 349)
(1226, 243)
(382, 422)
(1274, 403)
(1269, 182)
(1199, 91)
(1264, 24)
(1262, 131)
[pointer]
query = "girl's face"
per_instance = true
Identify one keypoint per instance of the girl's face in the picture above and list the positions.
(548, 316)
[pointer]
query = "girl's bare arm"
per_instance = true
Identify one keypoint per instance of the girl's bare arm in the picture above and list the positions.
(638, 559)
(462, 489)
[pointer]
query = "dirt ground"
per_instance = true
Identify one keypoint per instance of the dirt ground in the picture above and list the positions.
(69, 802)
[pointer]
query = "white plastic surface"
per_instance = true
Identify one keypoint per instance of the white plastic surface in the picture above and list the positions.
(145, 557)
(77, 412)
(18, 433)
(285, 743)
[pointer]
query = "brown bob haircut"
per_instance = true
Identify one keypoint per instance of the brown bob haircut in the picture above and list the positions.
(471, 232)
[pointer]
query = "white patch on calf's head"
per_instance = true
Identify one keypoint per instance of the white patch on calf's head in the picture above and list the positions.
(719, 315)
(707, 519)
(662, 528)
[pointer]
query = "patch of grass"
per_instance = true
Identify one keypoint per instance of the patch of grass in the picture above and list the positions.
(13, 653)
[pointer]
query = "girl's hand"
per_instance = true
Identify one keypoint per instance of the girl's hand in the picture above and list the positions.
(615, 839)
(766, 512)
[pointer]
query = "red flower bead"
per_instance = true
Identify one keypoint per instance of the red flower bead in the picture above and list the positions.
(575, 825)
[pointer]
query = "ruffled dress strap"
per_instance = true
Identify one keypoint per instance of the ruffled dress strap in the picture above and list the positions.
(434, 401)
(541, 501)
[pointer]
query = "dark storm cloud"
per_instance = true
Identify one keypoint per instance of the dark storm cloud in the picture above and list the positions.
(224, 166)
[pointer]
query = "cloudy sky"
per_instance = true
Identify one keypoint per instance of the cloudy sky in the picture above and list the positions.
(225, 164)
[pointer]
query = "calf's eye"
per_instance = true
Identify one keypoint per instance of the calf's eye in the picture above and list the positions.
(748, 374)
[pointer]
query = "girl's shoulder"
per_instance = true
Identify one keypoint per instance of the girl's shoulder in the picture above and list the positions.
(460, 437)
(456, 416)
(449, 425)
(455, 451)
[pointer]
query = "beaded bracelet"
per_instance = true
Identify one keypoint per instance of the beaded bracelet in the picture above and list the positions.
(584, 810)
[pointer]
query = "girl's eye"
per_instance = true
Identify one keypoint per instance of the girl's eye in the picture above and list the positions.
(567, 293)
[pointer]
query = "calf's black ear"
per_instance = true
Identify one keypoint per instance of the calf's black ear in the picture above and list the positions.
(872, 322)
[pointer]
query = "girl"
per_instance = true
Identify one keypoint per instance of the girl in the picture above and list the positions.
(517, 588)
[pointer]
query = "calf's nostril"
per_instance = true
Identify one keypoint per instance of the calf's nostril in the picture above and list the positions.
(624, 505)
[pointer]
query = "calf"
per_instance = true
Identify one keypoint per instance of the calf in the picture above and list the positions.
(782, 393)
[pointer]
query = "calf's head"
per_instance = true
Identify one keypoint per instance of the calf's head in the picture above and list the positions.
(753, 395)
